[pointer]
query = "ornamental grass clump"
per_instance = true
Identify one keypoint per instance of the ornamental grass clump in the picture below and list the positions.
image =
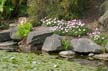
(65, 43)
(74, 28)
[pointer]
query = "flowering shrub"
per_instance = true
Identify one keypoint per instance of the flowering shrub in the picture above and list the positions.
(73, 27)
(98, 37)
(77, 28)
(49, 22)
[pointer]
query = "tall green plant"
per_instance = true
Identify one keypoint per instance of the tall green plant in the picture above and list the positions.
(65, 43)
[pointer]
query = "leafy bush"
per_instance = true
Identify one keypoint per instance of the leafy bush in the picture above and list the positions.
(74, 28)
(24, 29)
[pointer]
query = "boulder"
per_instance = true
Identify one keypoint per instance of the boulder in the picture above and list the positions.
(67, 54)
(91, 54)
(13, 30)
(5, 36)
(39, 35)
(103, 20)
(52, 43)
(85, 45)
(104, 7)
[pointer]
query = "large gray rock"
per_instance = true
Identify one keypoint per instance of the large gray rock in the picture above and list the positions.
(39, 35)
(5, 36)
(103, 20)
(13, 30)
(84, 45)
(52, 43)
(104, 7)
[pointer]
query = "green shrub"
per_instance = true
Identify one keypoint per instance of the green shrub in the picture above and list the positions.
(24, 29)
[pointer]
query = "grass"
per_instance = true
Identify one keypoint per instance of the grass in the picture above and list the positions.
(11, 61)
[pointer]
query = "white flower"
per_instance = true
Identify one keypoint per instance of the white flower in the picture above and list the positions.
(84, 29)
(103, 38)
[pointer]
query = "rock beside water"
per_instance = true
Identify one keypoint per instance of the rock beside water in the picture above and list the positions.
(85, 45)
(101, 56)
(67, 54)
(52, 43)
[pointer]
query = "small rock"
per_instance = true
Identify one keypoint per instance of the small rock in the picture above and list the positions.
(91, 54)
(101, 56)
(67, 54)
(9, 45)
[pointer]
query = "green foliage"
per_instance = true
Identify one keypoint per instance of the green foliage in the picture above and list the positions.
(102, 68)
(2, 2)
(6, 8)
(13, 61)
(100, 39)
(12, 8)
(3, 25)
(65, 43)
(67, 9)
(78, 31)
(24, 29)
(36, 10)
(61, 9)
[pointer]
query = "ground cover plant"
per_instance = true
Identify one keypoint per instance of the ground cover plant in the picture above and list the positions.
(33, 62)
